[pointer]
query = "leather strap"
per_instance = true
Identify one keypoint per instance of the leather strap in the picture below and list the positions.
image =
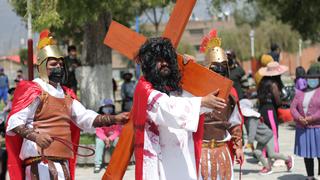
(69, 145)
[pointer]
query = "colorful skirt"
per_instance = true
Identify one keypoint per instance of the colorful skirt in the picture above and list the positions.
(307, 142)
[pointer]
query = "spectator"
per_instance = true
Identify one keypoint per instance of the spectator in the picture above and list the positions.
(4, 86)
(3, 152)
(258, 131)
(264, 60)
(71, 63)
(106, 137)
(127, 90)
(275, 52)
(269, 96)
(19, 76)
(114, 88)
(237, 74)
(305, 109)
(300, 81)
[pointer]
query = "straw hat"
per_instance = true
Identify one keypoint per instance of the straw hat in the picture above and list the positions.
(273, 69)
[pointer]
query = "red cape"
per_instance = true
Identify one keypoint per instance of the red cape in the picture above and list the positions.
(139, 115)
(24, 95)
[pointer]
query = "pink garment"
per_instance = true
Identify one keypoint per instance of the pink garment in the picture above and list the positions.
(111, 132)
(297, 112)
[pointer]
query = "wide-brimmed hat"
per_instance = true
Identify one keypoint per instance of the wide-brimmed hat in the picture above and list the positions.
(247, 110)
(313, 72)
(273, 69)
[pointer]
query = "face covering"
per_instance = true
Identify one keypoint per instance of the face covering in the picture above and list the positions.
(56, 75)
(107, 110)
(301, 84)
(313, 83)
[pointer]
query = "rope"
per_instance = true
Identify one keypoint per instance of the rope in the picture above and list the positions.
(69, 145)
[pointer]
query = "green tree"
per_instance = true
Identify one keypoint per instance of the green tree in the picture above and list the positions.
(186, 48)
(85, 22)
(269, 31)
(302, 15)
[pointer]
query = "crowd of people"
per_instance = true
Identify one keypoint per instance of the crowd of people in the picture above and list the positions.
(177, 135)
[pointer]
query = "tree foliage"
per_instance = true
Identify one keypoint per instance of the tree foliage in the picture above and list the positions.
(67, 18)
(302, 15)
(269, 31)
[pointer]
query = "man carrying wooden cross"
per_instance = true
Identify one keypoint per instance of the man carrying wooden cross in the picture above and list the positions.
(192, 77)
(168, 129)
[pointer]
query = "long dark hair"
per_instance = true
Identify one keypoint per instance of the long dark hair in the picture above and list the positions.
(265, 88)
(153, 50)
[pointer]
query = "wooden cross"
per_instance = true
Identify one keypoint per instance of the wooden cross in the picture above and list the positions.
(196, 79)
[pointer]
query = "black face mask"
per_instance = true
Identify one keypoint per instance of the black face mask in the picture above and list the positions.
(56, 75)
(220, 69)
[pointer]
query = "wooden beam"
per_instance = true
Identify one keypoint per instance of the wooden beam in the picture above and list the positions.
(200, 81)
(178, 20)
(196, 79)
(124, 40)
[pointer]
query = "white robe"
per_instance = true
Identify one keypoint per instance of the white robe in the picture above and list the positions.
(168, 140)
(81, 116)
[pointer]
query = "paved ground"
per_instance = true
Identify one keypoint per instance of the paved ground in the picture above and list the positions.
(249, 170)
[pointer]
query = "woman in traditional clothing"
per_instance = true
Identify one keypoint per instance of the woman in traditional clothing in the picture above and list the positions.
(269, 96)
(305, 109)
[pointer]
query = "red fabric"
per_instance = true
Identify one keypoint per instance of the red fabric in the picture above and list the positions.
(197, 139)
(24, 95)
(285, 115)
(139, 115)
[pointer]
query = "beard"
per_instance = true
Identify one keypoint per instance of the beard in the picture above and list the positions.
(164, 72)
(165, 80)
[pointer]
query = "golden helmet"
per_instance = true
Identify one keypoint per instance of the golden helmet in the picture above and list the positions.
(46, 49)
(211, 46)
(217, 55)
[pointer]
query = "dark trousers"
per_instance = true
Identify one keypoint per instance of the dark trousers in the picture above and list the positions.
(3, 161)
(308, 162)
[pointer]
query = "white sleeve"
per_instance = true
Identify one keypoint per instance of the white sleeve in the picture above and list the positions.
(202, 109)
(22, 117)
(83, 117)
(235, 118)
(175, 112)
